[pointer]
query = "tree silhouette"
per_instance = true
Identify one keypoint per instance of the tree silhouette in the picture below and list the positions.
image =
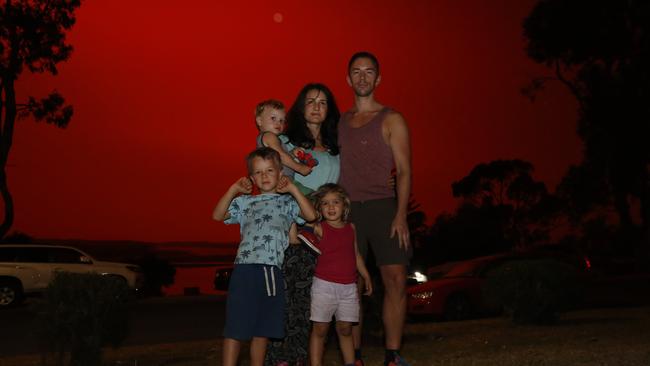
(600, 50)
(507, 202)
(32, 37)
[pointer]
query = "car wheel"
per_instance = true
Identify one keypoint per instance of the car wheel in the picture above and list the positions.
(458, 307)
(11, 293)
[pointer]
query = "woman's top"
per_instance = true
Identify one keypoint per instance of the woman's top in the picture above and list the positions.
(327, 170)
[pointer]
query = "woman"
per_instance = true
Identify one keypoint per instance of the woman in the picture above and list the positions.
(312, 126)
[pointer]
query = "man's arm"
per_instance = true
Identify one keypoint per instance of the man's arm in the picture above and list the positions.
(242, 185)
(400, 145)
(273, 141)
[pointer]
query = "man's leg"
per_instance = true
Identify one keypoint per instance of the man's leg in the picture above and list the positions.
(258, 350)
(394, 311)
(230, 351)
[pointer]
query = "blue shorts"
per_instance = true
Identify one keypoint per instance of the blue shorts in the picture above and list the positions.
(255, 303)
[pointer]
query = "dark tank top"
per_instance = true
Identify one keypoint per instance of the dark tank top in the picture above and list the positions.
(366, 160)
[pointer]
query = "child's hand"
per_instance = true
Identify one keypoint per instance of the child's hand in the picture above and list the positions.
(284, 185)
(367, 282)
(243, 185)
(305, 158)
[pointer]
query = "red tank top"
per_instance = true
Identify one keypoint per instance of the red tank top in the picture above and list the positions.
(338, 260)
(366, 160)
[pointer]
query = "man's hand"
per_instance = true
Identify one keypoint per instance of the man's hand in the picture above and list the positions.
(243, 185)
(400, 227)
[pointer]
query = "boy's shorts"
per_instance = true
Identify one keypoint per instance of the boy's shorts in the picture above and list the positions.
(255, 303)
(372, 220)
(331, 298)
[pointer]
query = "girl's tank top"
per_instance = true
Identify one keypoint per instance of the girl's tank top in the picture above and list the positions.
(338, 260)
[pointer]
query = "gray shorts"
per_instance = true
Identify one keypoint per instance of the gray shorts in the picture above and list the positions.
(372, 220)
(334, 299)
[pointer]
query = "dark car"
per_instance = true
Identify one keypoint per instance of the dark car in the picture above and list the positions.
(453, 290)
(222, 277)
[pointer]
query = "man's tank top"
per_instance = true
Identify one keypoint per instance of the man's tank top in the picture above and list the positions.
(366, 160)
(338, 260)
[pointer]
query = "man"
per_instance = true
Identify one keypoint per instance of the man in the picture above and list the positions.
(374, 140)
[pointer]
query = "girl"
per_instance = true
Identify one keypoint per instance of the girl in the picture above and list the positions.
(334, 287)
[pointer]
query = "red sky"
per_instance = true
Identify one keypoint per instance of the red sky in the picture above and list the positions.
(164, 96)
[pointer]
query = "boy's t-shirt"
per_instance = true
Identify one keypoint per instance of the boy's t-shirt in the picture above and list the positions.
(286, 146)
(264, 226)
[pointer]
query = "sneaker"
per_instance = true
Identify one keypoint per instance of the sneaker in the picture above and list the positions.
(398, 361)
(310, 240)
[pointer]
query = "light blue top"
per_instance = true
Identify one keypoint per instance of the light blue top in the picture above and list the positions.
(264, 226)
(327, 170)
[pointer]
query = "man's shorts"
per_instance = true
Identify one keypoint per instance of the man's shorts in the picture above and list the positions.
(372, 220)
(255, 303)
(331, 298)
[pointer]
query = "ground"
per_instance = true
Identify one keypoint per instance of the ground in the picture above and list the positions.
(611, 336)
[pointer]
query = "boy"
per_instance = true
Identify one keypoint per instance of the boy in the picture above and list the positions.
(270, 118)
(255, 305)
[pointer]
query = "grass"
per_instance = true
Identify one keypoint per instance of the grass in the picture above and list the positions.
(598, 337)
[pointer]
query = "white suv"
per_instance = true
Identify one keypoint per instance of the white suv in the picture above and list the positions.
(28, 269)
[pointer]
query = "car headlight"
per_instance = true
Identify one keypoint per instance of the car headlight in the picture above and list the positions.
(422, 295)
(420, 277)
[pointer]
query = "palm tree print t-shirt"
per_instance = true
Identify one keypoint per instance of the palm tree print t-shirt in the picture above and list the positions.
(264, 222)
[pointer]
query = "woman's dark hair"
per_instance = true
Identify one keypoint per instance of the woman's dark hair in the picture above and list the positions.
(297, 130)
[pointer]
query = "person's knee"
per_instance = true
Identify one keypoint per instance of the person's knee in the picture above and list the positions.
(320, 329)
(394, 277)
(344, 329)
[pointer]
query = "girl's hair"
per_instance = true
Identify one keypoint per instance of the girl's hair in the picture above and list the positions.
(297, 130)
(323, 190)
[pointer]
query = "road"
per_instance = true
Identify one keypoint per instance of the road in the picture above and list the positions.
(155, 320)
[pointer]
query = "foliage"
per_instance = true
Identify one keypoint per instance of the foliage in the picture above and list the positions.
(501, 207)
(533, 291)
(600, 50)
(32, 37)
(81, 313)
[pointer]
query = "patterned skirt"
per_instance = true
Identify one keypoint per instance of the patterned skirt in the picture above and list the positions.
(298, 270)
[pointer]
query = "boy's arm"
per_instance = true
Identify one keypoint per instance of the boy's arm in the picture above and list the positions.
(271, 140)
(307, 210)
(242, 185)
(361, 266)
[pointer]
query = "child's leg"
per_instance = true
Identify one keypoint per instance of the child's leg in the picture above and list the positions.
(258, 350)
(293, 234)
(231, 349)
(344, 331)
(317, 342)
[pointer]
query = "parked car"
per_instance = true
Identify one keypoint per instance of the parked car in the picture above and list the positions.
(453, 290)
(222, 277)
(28, 269)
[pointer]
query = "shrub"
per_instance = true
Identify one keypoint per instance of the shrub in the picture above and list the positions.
(80, 313)
(533, 291)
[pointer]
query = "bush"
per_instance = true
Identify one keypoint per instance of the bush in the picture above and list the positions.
(80, 313)
(533, 291)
